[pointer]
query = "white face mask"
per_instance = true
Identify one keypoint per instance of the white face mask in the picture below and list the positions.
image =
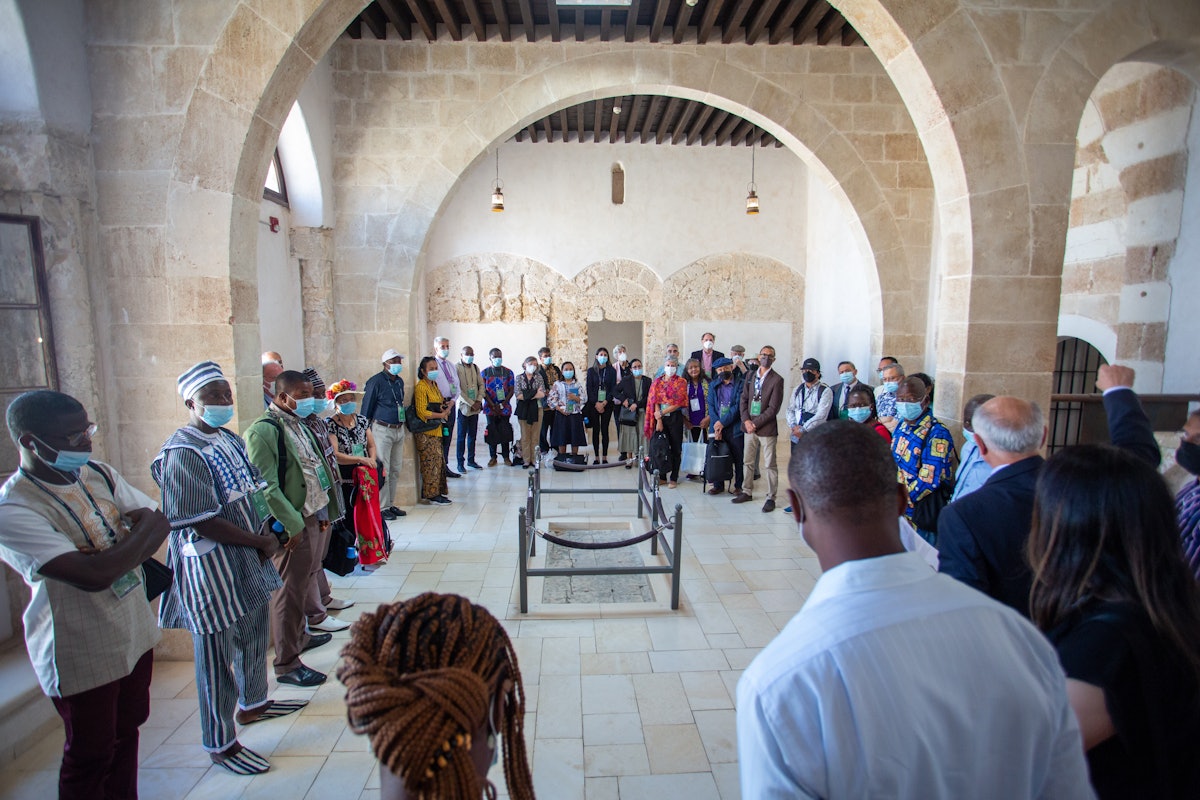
(530, 369)
(622, 357)
(669, 370)
(708, 345)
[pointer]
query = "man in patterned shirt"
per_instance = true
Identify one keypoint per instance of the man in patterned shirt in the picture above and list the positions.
(922, 447)
(221, 556)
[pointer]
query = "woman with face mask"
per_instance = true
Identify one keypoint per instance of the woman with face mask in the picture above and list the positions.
(531, 390)
(429, 405)
(668, 398)
(354, 448)
(601, 384)
(631, 394)
(860, 407)
(567, 398)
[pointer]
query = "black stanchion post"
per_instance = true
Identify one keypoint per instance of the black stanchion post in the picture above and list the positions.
(523, 560)
(678, 557)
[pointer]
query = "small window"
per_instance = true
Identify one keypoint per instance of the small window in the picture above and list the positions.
(26, 344)
(275, 188)
(618, 184)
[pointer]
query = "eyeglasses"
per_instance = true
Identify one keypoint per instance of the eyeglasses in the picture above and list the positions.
(85, 435)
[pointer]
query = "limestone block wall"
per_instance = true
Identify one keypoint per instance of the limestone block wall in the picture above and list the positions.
(501, 287)
(395, 164)
(1126, 210)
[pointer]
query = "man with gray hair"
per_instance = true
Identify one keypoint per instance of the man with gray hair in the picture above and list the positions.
(981, 537)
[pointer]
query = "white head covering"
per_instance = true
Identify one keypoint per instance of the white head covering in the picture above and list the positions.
(197, 377)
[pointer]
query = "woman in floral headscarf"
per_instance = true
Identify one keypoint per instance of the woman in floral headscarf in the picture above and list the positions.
(354, 447)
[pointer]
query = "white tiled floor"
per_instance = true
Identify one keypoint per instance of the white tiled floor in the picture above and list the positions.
(631, 701)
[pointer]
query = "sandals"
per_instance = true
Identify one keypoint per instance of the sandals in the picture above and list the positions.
(241, 761)
(273, 710)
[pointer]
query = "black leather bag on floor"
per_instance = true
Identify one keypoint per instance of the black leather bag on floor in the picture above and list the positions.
(660, 454)
(718, 463)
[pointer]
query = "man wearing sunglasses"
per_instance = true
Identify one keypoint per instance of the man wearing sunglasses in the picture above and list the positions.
(78, 533)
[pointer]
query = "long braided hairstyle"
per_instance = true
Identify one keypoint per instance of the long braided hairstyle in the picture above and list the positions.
(420, 676)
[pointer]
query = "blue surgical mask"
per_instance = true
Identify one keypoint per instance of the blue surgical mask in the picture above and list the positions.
(969, 435)
(306, 407)
(66, 460)
(908, 411)
(395, 369)
(601, 360)
(468, 359)
(433, 374)
(324, 406)
(497, 362)
(846, 378)
(547, 360)
(347, 408)
(444, 352)
(216, 416)
(861, 414)
(891, 386)
(637, 372)
(568, 373)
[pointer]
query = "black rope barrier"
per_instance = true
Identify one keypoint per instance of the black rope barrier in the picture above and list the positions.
(549, 537)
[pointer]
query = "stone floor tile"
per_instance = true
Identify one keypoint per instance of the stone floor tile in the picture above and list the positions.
(612, 729)
(611, 694)
(713, 618)
(688, 661)
(217, 784)
(727, 778)
(705, 691)
(601, 789)
(677, 633)
(560, 714)
(169, 783)
(16, 785)
(289, 777)
(344, 774)
(558, 768)
(695, 786)
(614, 663)
(621, 635)
(718, 730)
(661, 699)
(615, 759)
(675, 748)
(560, 656)
(310, 736)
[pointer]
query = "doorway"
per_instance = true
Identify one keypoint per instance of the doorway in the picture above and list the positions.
(607, 333)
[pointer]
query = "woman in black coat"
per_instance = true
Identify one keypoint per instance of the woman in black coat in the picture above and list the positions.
(601, 384)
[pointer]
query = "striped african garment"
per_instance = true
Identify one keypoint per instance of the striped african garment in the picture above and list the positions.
(1187, 509)
(203, 476)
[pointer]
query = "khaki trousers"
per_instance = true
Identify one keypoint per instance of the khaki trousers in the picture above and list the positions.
(756, 444)
(287, 603)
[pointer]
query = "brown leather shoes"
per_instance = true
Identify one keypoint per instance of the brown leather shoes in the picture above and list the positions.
(769, 505)
(715, 490)
(742, 497)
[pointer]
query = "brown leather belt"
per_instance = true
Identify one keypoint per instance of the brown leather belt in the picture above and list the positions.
(389, 424)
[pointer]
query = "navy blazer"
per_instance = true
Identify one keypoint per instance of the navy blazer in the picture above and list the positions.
(982, 536)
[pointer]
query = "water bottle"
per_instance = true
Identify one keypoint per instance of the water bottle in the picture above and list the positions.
(352, 553)
(277, 528)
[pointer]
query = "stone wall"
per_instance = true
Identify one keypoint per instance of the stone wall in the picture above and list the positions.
(500, 287)
(1126, 209)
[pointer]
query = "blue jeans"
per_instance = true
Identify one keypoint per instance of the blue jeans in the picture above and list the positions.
(468, 426)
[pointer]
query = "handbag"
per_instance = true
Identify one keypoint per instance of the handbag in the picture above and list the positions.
(718, 462)
(692, 462)
(157, 577)
(927, 510)
(341, 558)
(416, 424)
(627, 416)
(660, 453)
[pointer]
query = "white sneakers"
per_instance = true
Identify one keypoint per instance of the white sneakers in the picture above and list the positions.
(330, 625)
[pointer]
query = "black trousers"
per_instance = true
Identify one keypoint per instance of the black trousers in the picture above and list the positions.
(544, 434)
(673, 427)
(600, 422)
(448, 437)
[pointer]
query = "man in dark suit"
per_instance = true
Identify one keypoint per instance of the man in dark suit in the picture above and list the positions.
(707, 355)
(982, 536)
(847, 382)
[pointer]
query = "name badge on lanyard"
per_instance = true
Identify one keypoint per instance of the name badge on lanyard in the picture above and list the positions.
(694, 404)
(126, 583)
(500, 395)
(755, 407)
(323, 477)
(258, 499)
(601, 395)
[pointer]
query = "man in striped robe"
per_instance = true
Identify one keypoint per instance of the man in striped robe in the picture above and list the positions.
(221, 555)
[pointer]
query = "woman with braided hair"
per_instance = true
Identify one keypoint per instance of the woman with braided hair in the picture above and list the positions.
(433, 681)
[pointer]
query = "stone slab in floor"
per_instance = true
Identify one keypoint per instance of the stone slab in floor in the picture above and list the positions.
(595, 588)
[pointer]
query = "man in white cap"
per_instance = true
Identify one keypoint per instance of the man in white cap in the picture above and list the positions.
(383, 406)
(220, 550)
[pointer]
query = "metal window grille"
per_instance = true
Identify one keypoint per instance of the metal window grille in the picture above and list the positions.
(1076, 366)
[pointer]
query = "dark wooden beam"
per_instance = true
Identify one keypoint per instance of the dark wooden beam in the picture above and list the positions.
(355, 28)
(850, 35)
(660, 17)
(605, 22)
(725, 131)
(652, 116)
(681, 22)
(709, 134)
(527, 20)
(398, 20)
(664, 122)
(808, 21)
(829, 27)
(579, 24)
(760, 20)
(630, 22)
(373, 18)
(475, 17)
(548, 129)
(564, 123)
(699, 123)
(520, 135)
(787, 17)
(555, 22)
(742, 132)
(690, 107)
(631, 117)
(501, 12)
(449, 19)
(615, 120)
(598, 122)
(580, 127)
(711, 11)
(533, 132)
(424, 18)
(735, 20)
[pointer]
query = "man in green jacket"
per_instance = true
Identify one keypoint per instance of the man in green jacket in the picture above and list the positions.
(297, 488)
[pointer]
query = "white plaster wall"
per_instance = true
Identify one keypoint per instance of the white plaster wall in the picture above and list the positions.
(281, 320)
(681, 203)
(56, 27)
(1182, 367)
(306, 149)
(838, 297)
(18, 89)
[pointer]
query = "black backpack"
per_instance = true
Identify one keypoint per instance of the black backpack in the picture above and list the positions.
(718, 463)
(660, 453)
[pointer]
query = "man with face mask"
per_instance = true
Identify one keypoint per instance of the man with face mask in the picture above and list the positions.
(220, 550)
(1187, 502)
(383, 406)
(299, 484)
(550, 375)
(470, 403)
(724, 404)
(847, 382)
(707, 355)
(885, 395)
(447, 381)
(762, 397)
(272, 365)
(78, 533)
(672, 353)
(923, 448)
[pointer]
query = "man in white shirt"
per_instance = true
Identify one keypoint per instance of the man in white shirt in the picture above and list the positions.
(894, 681)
